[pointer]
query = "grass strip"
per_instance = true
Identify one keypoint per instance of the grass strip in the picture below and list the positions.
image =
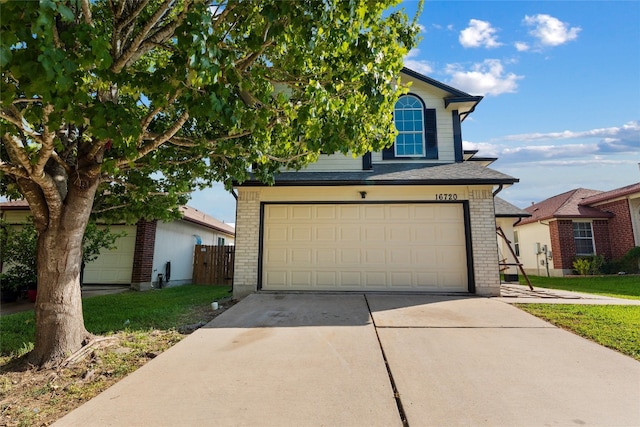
(613, 326)
(614, 286)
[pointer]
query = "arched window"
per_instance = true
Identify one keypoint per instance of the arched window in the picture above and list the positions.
(408, 115)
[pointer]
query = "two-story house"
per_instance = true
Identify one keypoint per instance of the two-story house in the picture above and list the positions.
(418, 216)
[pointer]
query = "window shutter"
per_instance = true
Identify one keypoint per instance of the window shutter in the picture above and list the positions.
(431, 133)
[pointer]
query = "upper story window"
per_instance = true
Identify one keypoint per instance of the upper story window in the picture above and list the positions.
(583, 237)
(417, 134)
(409, 119)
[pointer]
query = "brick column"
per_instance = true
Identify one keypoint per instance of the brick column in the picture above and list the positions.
(601, 238)
(247, 242)
(141, 279)
(620, 228)
(562, 245)
(484, 243)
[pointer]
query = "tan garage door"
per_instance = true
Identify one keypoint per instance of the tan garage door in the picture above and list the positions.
(114, 267)
(402, 247)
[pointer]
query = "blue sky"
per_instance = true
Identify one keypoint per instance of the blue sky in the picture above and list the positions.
(561, 81)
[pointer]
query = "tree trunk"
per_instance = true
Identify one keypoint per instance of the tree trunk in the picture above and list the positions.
(60, 327)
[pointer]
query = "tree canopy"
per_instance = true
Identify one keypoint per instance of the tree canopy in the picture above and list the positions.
(155, 98)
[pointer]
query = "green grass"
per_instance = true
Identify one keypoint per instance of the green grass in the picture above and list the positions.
(614, 326)
(613, 286)
(107, 314)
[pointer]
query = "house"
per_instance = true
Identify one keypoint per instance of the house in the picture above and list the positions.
(418, 216)
(148, 249)
(577, 223)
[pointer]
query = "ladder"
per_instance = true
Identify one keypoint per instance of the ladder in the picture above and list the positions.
(512, 264)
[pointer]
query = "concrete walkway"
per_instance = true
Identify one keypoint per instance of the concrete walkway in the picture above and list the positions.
(520, 294)
(319, 360)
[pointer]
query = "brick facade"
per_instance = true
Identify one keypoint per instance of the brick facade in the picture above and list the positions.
(601, 238)
(484, 243)
(620, 228)
(563, 246)
(141, 276)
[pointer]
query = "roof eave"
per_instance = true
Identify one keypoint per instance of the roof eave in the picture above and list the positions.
(339, 183)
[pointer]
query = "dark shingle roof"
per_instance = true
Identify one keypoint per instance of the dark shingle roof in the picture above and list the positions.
(505, 209)
(398, 174)
(565, 205)
(612, 194)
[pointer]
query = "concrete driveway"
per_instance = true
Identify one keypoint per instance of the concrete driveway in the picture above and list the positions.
(374, 360)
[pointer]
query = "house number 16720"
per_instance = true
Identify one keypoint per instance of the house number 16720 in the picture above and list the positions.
(447, 196)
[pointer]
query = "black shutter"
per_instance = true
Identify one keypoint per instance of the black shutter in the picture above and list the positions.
(431, 133)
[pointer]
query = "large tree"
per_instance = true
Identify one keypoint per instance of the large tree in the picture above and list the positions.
(123, 107)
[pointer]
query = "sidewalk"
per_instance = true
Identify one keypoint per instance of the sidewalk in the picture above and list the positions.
(520, 294)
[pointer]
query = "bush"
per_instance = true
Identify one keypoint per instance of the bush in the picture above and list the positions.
(589, 265)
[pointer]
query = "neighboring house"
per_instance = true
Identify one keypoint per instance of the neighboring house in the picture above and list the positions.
(505, 215)
(146, 249)
(418, 216)
(580, 222)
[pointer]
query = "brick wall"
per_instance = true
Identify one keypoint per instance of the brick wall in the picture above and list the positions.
(143, 255)
(484, 243)
(601, 238)
(245, 276)
(562, 244)
(620, 228)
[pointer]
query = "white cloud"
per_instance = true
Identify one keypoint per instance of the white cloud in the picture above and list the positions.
(412, 62)
(612, 139)
(521, 46)
(550, 31)
(486, 78)
(479, 34)
(422, 29)
(613, 145)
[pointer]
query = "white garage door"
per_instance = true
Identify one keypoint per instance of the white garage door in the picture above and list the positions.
(402, 247)
(114, 267)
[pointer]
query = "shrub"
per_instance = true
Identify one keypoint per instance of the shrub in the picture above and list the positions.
(589, 265)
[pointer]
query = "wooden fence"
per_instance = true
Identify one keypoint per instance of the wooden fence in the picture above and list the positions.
(213, 265)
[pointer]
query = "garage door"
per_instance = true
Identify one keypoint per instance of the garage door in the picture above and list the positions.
(404, 247)
(114, 267)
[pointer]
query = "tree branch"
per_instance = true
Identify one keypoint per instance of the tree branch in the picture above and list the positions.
(16, 152)
(157, 142)
(138, 48)
(86, 12)
(47, 143)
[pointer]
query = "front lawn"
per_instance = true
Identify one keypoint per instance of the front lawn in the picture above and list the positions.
(614, 326)
(138, 325)
(613, 286)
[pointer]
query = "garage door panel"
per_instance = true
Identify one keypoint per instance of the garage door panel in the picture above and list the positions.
(350, 257)
(375, 256)
(375, 279)
(350, 279)
(364, 246)
(277, 256)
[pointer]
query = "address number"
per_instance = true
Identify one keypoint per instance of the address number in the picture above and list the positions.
(448, 196)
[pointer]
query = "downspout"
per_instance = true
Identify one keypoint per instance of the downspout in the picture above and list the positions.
(499, 189)
(233, 281)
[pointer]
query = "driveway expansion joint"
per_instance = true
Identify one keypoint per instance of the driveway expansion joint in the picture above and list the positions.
(396, 394)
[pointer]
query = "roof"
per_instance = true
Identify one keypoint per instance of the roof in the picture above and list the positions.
(565, 205)
(464, 173)
(465, 103)
(613, 194)
(505, 209)
(195, 216)
(14, 205)
(190, 215)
